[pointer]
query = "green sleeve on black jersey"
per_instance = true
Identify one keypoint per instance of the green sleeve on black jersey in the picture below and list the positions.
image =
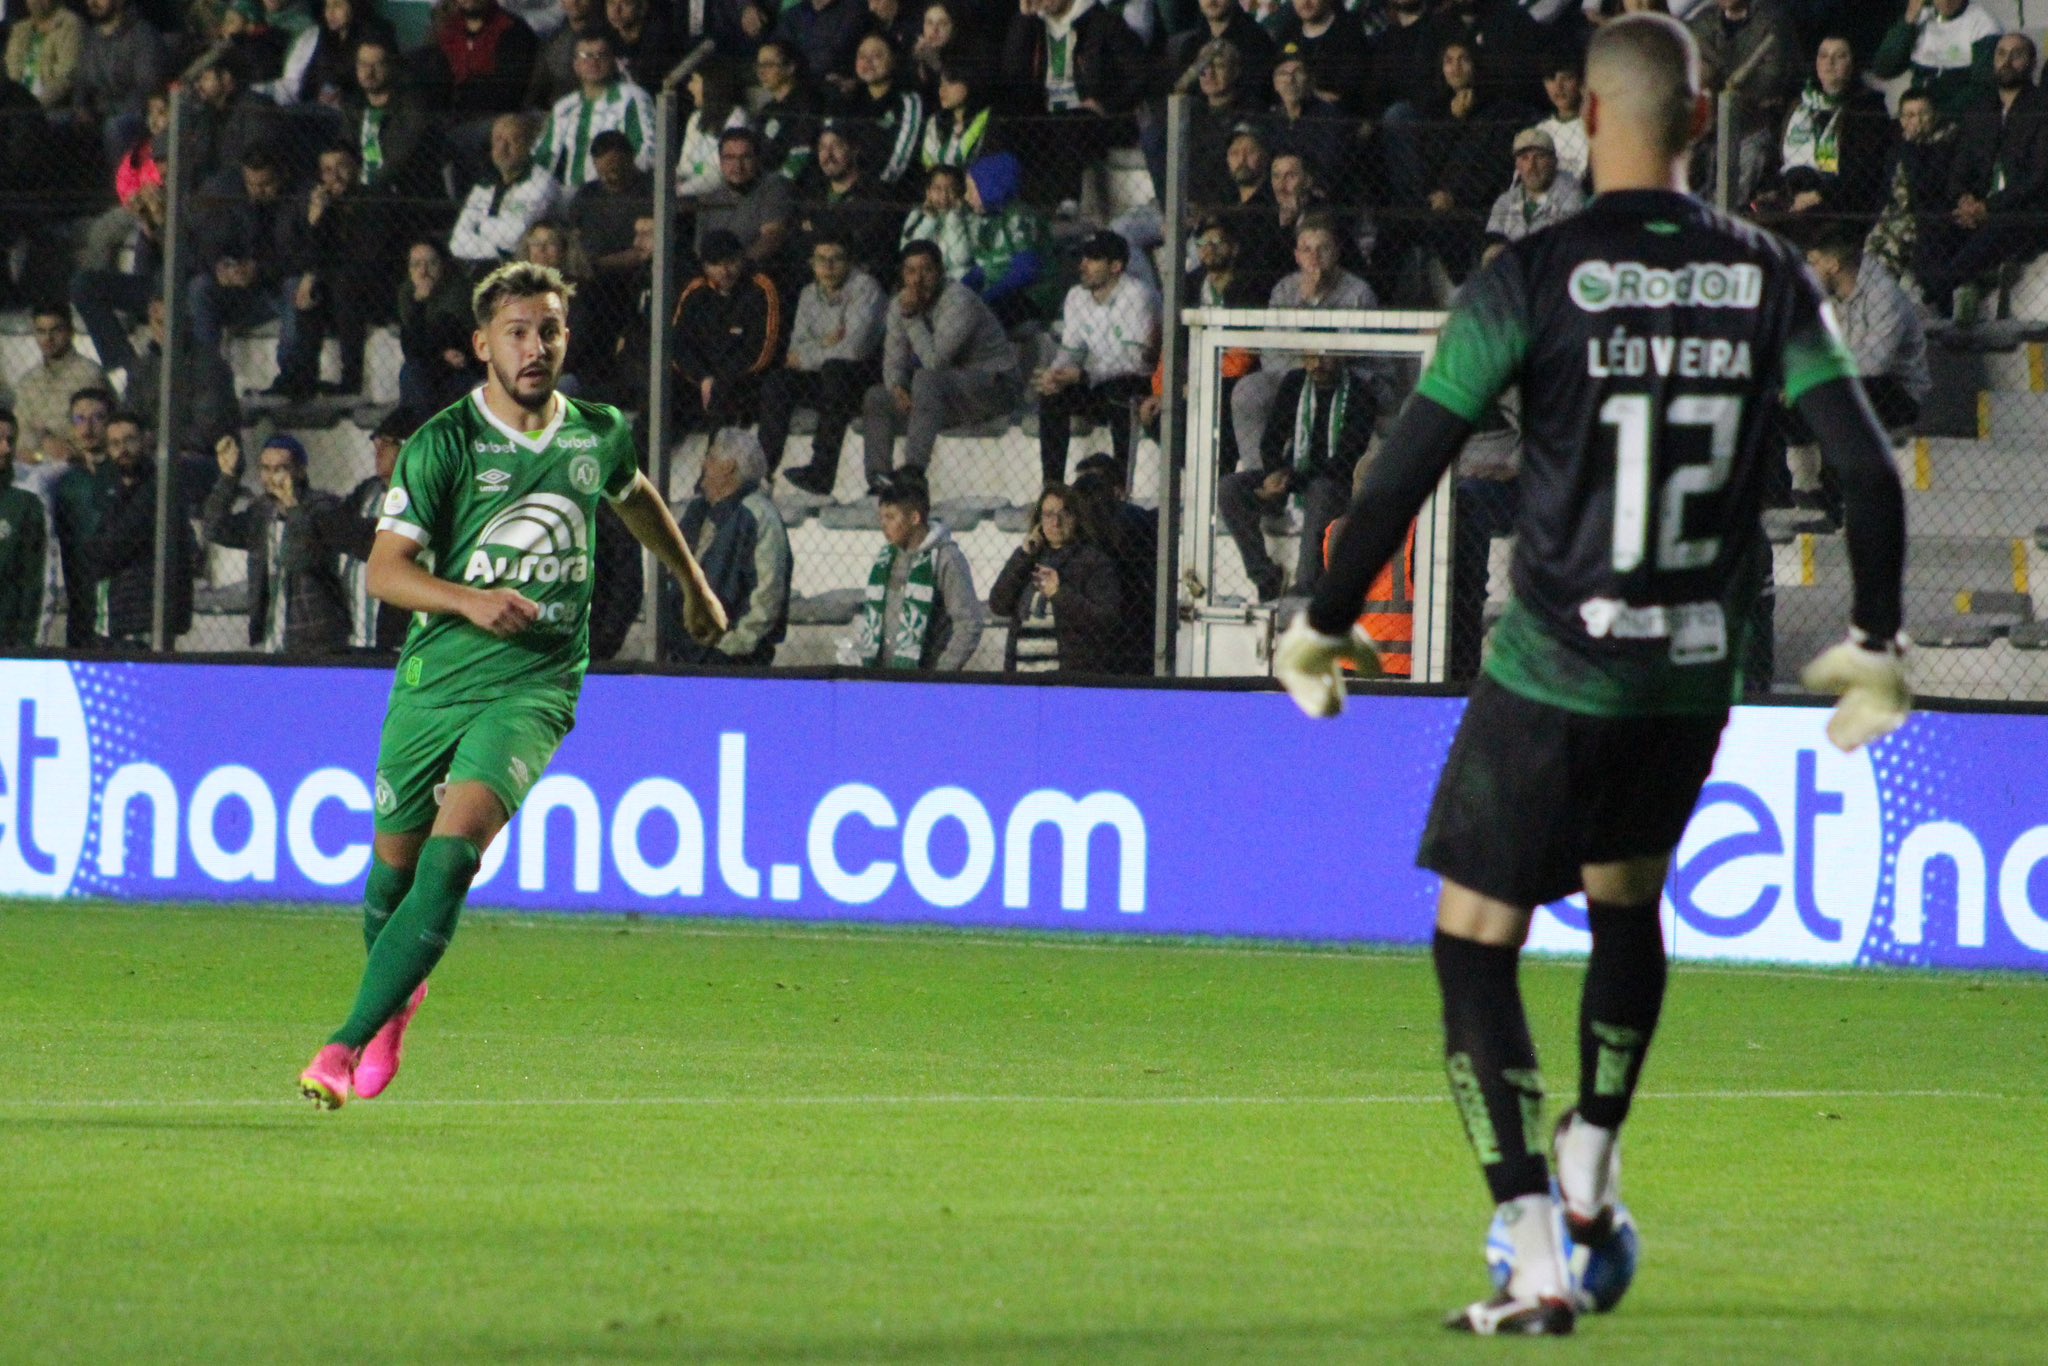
(1481, 350)
(421, 486)
(1814, 350)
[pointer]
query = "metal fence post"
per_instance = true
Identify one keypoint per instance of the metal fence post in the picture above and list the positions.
(1724, 150)
(1173, 376)
(171, 377)
(661, 288)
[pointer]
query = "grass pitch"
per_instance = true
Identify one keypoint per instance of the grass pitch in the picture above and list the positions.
(670, 1141)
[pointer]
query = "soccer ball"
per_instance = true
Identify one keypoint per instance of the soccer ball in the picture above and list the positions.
(1600, 1277)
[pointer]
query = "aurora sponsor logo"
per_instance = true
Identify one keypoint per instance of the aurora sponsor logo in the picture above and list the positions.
(1597, 286)
(542, 538)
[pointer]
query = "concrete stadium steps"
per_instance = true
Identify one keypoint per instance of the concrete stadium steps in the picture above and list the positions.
(1976, 512)
(1947, 564)
(2013, 416)
(2000, 466)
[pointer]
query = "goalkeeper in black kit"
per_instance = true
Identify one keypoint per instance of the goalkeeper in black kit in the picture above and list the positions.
(1649, 336)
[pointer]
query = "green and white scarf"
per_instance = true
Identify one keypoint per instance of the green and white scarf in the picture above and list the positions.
(1305, 421)
(905, 645)
(1813, 134)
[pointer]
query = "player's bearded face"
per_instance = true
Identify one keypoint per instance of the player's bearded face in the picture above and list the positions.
(524, 347)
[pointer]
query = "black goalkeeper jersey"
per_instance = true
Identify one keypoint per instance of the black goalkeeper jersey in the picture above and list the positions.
(1652, 338)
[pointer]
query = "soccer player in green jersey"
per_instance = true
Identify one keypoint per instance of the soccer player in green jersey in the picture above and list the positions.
(486, 536)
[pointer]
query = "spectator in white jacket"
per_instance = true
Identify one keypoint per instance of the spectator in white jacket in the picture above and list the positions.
(603, 101)
(1541, 195)
(1109, 339)
(500, 210)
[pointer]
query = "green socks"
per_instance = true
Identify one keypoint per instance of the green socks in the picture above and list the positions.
(415, 937)
(386, 889)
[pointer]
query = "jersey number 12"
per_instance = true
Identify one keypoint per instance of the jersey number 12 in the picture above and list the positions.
(1635, 436)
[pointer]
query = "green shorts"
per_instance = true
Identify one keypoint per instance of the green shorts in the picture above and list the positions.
(505, 744)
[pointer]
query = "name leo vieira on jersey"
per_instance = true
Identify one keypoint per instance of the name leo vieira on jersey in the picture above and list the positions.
(1625, 354)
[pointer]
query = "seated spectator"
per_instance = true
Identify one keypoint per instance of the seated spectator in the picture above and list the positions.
(1467, 143)
(921, 610)
(79, 480)
(42, 52)
(434, 329)
(1129, 534)
(623, 383)
(942, 219)
(238, 252)
(1076, 71)
(603, 102)
(1319, 282)
(138, 213)
(882, 111)
(601, 216)
(296, 537)
(790, 109)
(1755, 37)
(43, 393)
(333, 240)
(1320, 421)
(1998, 184)
(957, 130)
(1916, 178)
(825, 33)
(1542, 194)
(1223, 21)
(946, 361)
(899, 23)
(1508, 45)
(1109, 338)
(549, 243)
(1298, 195)
(728, 331)
(649, 47)
(1227, 102)
(1947, 45)
(392, 132)
(1218, 281)
(499, 210)
(256, 32)
(207, 405)
(1009, 239)
(1332, 45)
(121, 61)
(1249, 208)
(1564, 85)
(1837, 142)
(834, 356)
(373, 624)
(838, 196)
(226, 120)
(716, 110)
(116, 555)
(1303, 122)
(1059, 565)
(738, 537)
(24, 553)
(320, 64)
(554, 66)
(480, 60)
(755, 208)
(949, 38)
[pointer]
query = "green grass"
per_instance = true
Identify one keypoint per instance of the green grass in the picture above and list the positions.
(675, 1141)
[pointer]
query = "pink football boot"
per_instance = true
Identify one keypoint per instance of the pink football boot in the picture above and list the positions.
(325, 1081)
(380, 1058)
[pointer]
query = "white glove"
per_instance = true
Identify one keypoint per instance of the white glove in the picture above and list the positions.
(1309, 665)
(1871, 683)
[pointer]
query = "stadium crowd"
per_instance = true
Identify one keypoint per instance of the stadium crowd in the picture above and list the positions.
(895, 218)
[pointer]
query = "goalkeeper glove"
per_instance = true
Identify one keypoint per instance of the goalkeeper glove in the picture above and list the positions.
(1309, 665)
(1870, 678)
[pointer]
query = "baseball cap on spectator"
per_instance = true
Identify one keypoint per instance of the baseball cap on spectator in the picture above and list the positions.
(290, 445)
(1105, 245)
(1534, 138)
(720, 246)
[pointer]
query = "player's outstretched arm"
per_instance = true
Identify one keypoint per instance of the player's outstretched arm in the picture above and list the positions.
(651, 523)
(397, 578)
(1867, 671)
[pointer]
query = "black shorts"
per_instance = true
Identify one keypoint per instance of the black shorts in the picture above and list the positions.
(1532, 792)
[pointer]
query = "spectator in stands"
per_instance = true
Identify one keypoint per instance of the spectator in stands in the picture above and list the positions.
(296, 538)
(717, 109)
(373, 625)
(1298, 194)
(500, 210)
(1076, 70)
(226, 120)
(957, 129)
(601, 216)
(42, 52)
(1223, 21)
(1564, 85)
(946, 361)
(480, 61)
(1331, 45)
(649, 46)
(116, 557)
(1998, 183)
(238, 250)
(826, 34)
(1507, 46)
(1264, 250)
(120, 62)
(320, 64)
(1917, 181)
(549, 243)
(208, 406)
(883, 111)
(1756, 40)
(1467, 141)
(1009, 239)
(739, 538)
(1320, 422)
(255, 33)
(900, 24)
(138, 213)
(603, 102)
(1303, 123)
(1320, 282)
(434, 327)
(949, 37)
(43, 393)
(1060, 565)
(24, 552)
(1837, 142)
(755, 208)
(834, 357)
(921, 610)
(554, 66)
(1225, 104)
(1129, 534)
(390, 129)
(1402, 71)
(623, 383)
(789, 111)
(1541, 196)
(942, 219)
(1947, 45)
(1218, 281)
(838, 196)
(80, 480)
(728, 331)
(1109, 338)
(333, 240)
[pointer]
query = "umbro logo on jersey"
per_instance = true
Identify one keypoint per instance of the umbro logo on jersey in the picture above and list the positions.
(1597, 286)
(493, 481)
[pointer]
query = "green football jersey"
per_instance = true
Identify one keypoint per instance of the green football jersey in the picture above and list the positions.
(497, 508)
